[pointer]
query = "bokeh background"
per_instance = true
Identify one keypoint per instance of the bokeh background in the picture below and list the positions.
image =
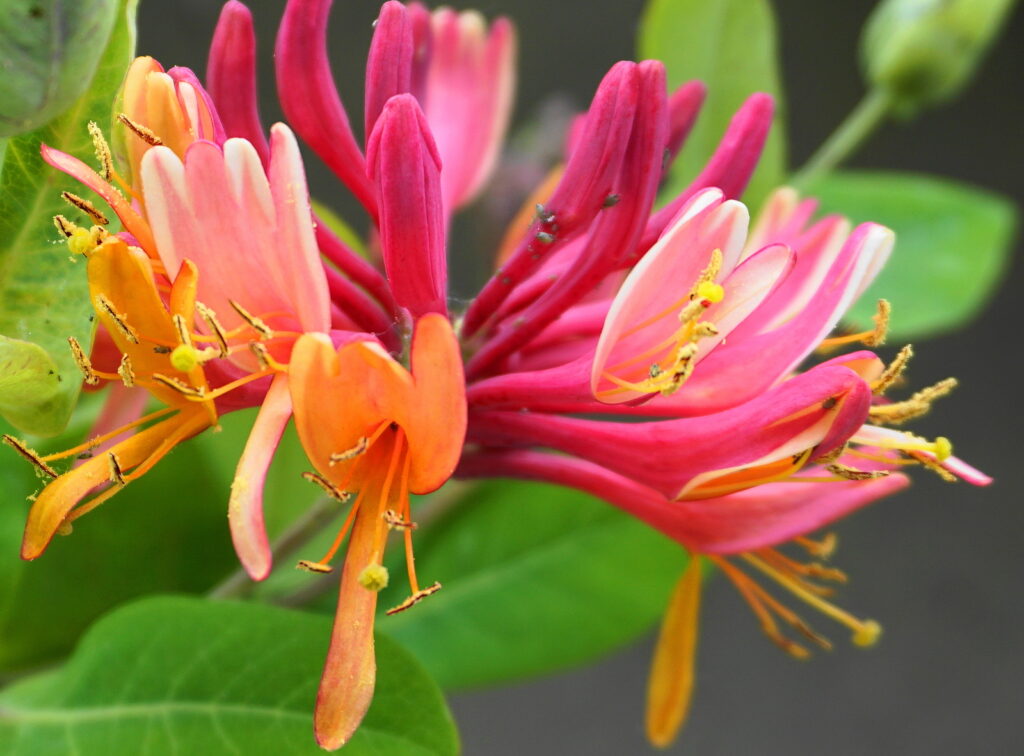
(941, 565)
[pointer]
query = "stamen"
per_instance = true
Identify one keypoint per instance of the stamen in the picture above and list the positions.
(873, 338)
(96, 441)
(255, 323)
(756, 598)
(126, 372)
(811, 569)
(181, 388)
(852, 473)
(395, 521)
(919, 404)
(181, 326)
(102, 149)
(65, 226)
(822, 549)
(86, 207)
(104, 304)
(343, 531)
(329, 488)
(865, 632)
(263, 357)
(893, 371)
(140, 131)
(30, 454)
(210, 319)
(362, 444)
(116, 473)
(414, 599)
(83, 361)
(318, 567)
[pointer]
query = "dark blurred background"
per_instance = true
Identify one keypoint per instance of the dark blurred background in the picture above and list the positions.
(940, 566)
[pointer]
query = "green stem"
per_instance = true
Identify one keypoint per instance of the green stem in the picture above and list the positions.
(863, 119)
(307, 526)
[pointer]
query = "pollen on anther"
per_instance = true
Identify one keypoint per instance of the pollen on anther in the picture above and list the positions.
(317, 567)
(86, 207)
(349, 454)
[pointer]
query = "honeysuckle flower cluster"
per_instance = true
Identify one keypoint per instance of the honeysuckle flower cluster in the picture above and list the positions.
(223, 291)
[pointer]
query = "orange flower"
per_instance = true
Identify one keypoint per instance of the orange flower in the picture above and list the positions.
(121, 281)
(381, 432)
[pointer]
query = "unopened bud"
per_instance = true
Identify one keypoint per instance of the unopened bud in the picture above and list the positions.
(924, 51)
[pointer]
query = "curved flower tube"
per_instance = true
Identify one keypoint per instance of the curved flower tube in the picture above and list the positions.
(371, 426)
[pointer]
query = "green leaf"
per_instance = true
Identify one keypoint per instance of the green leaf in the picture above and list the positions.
(166, 532)
(952, 246)
(182, 675)
(536, 578)
(730, 45)
(48, 52)
(44, 297)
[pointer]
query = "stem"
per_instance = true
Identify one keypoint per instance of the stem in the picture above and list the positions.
(311, 522)
(857, 126)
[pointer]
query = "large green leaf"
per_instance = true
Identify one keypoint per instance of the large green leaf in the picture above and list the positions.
(44, 297)
(952, 244)
(730, 45)
(49, 49)
(536, 579)
(165, 532)
(181, 675)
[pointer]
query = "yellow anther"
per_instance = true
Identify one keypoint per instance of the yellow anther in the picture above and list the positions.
(943, 449)
(86, 207)
(318, 567)
(867, 634)
(102, 149)
(709, 291)
(185, 358)
(374, 577)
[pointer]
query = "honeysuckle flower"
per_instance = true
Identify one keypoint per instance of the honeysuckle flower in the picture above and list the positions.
(372, 426)
(600, 303)
(707, 329)
(242, 238)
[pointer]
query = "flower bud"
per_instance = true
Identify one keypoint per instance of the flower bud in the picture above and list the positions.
(924, 51)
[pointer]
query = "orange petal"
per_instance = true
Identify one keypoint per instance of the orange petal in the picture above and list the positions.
(435, 419)
(346, 687)
(57, 500)
(341, 397)
(670, 686)
(125, 278)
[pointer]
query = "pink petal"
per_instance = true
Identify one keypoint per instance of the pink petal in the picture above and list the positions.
(581, 194)
(78, 170)
(310, 99)
(389, 65)
(612, 240)
(754, 519)
(231, 76)
(469, 91)
(753, 359)
(245, 508)
(732, 165)
(818, 409)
